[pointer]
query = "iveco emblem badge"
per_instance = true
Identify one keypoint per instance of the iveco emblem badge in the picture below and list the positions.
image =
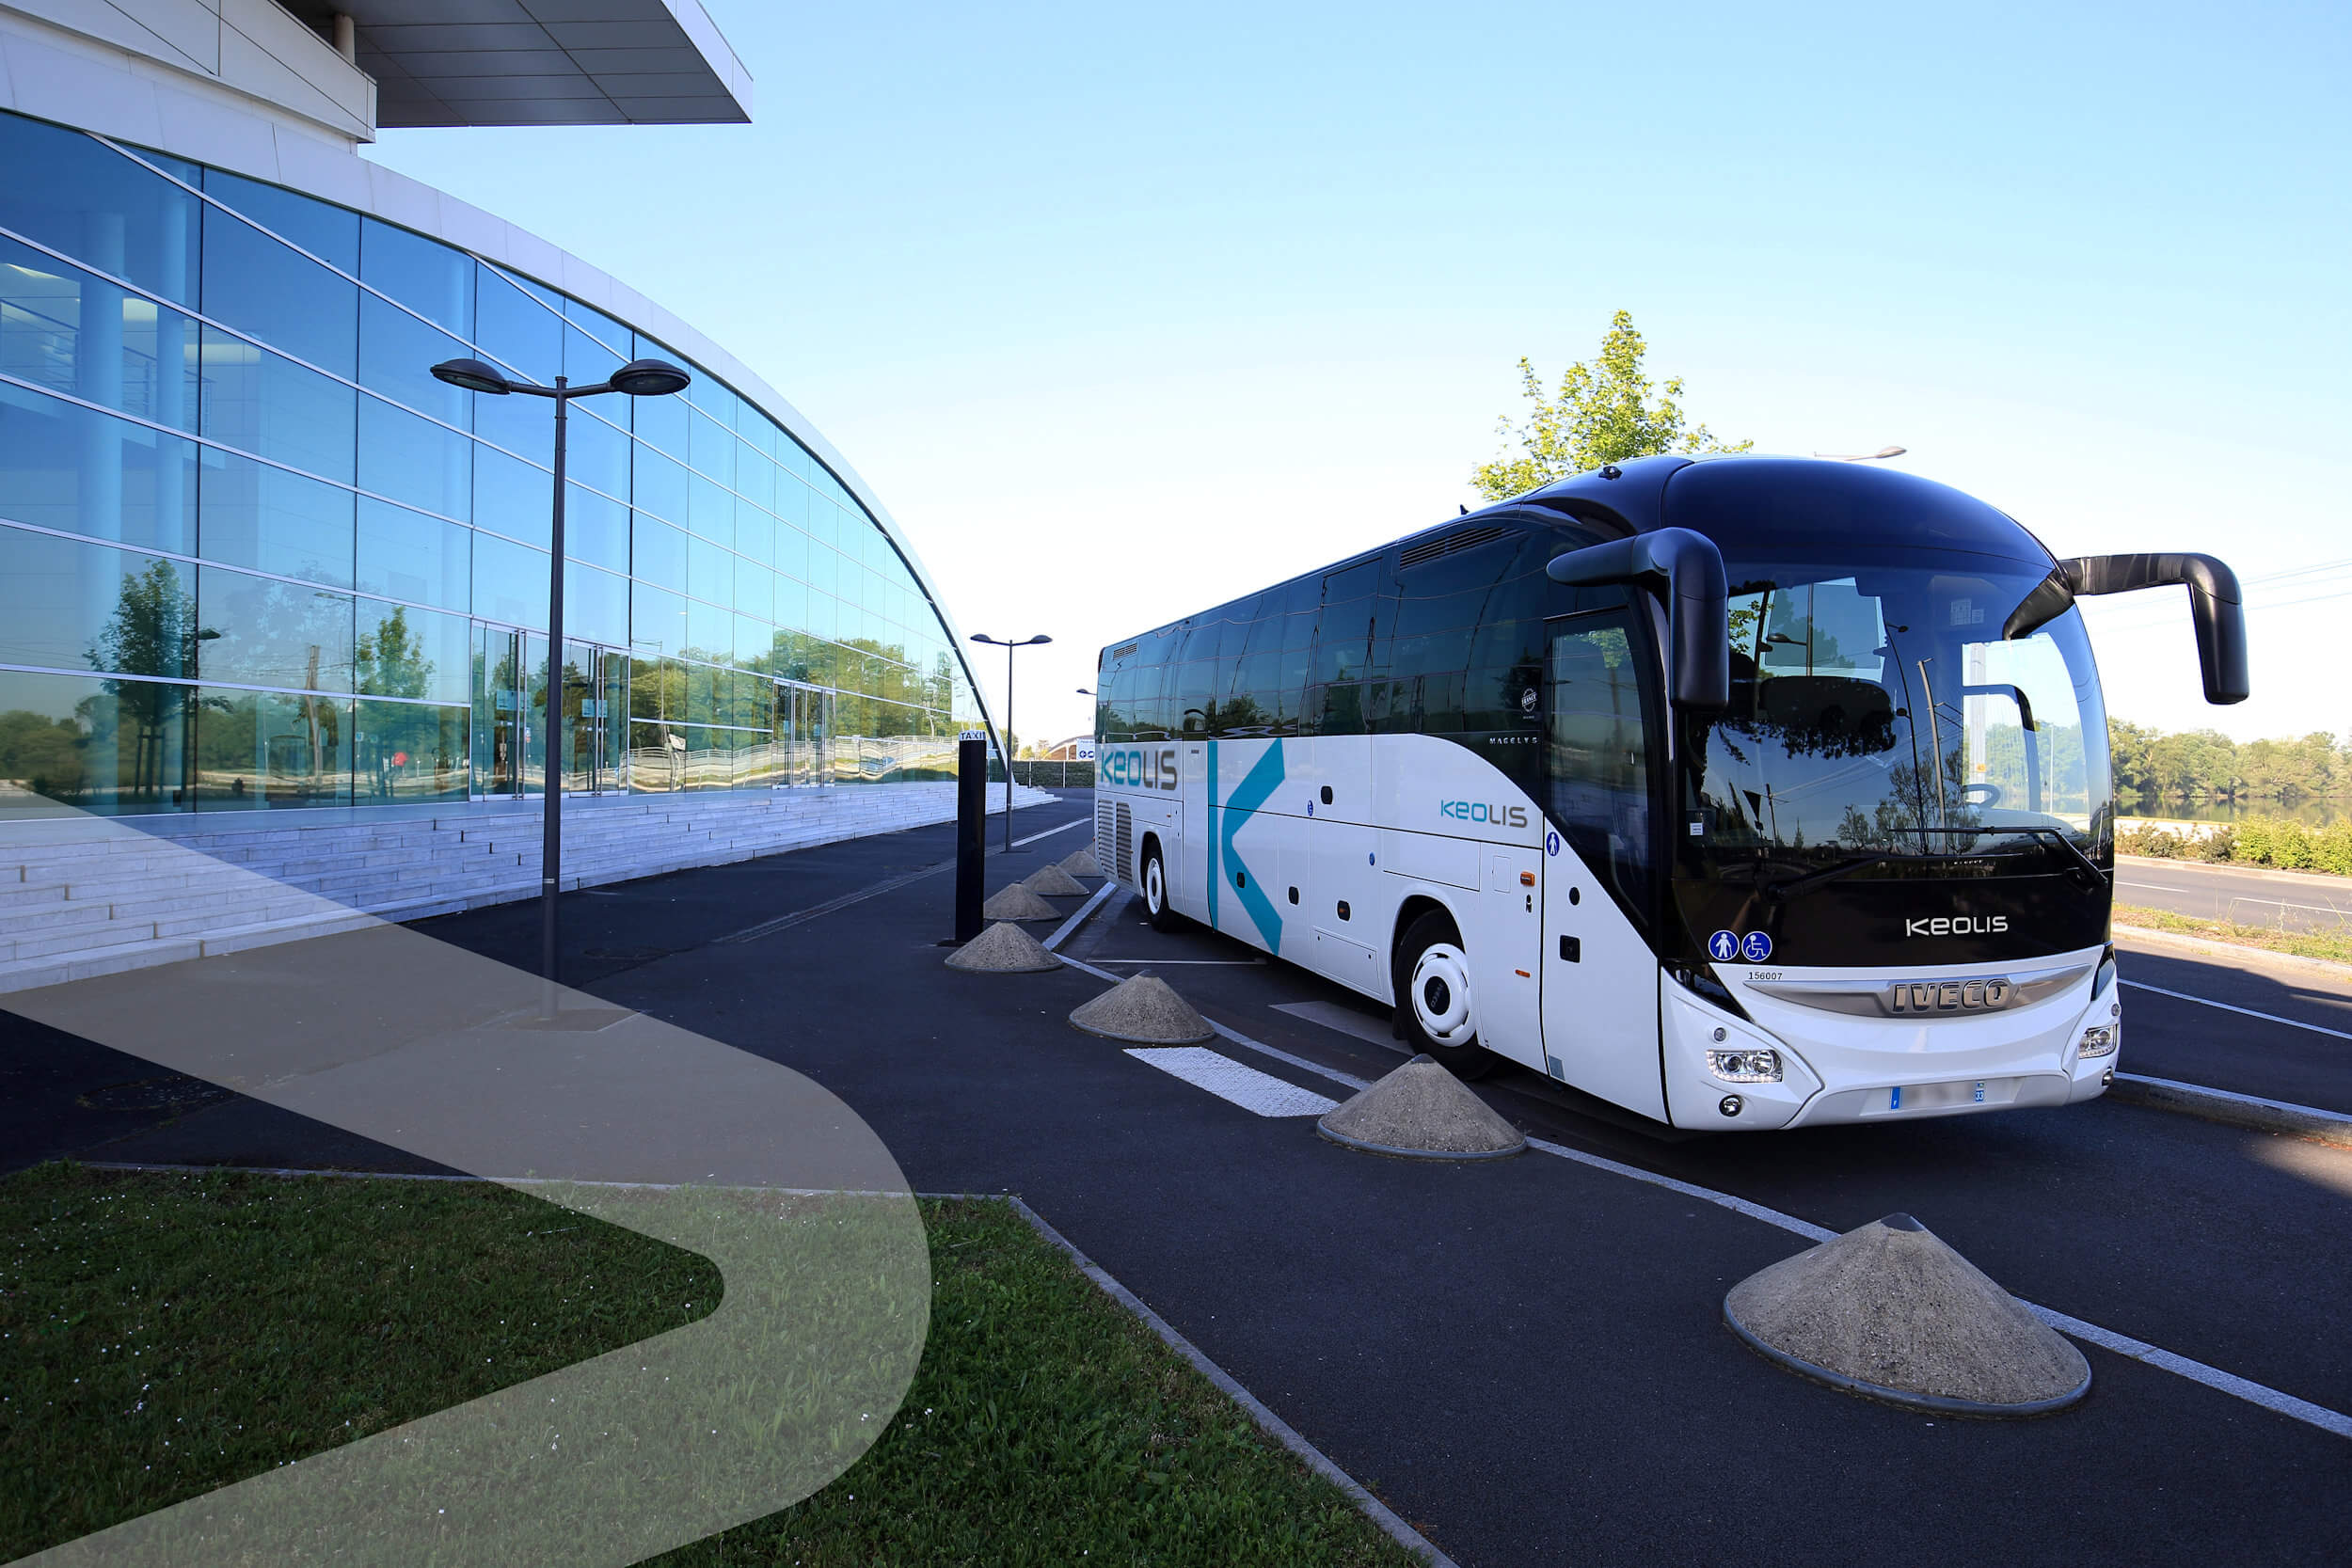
(1949, 997)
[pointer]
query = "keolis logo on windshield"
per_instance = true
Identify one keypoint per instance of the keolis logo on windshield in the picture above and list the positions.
(1956, 926)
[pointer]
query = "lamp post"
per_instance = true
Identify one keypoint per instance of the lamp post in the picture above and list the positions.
(639, 378)
(1008, 647)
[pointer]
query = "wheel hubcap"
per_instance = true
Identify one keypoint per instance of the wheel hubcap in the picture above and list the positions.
(1441, 995)
(1152, 891)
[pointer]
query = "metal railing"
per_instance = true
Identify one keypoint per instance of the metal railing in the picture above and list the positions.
(1053, 775)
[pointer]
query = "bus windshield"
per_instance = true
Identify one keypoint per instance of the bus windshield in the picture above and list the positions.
(1878, 711)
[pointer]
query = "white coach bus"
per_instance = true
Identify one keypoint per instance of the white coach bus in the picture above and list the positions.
(1744, 793)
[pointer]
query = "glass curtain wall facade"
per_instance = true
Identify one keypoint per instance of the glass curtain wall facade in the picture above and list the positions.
(253, 555)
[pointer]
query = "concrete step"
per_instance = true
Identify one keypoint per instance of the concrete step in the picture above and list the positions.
(97, 899)
(119, 933)
(53, 916)
(211, 922)
(23, 974)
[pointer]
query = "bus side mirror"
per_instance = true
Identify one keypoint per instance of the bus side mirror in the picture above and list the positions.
(2215, 608)
(1687, 570)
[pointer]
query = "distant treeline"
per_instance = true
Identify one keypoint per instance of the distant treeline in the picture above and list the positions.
(2152, 766)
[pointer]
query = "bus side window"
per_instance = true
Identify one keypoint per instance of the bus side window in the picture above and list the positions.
(1596, 750)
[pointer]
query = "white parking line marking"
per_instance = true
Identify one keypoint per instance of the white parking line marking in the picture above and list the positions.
(2241, 1098)
(1061, 932)
(2197, 1371)
(1227, 1079)
(2122, 1344)
(1347, 1020)
(1051, 831)
(2249, 1012)
(1195, 963)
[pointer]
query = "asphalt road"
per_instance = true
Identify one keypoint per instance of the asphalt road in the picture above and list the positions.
(1526, 1358)
(2294, 900)
(2301, 1051)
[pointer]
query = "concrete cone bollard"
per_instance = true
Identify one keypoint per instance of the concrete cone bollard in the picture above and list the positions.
(1143, 1008)
(1080, 863)
(1422, 1112)
(1891, 1313)
(1004, 948)
(1018, 903)
(1053, 882)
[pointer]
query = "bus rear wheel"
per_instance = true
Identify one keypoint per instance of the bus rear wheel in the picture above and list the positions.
(1434, 1004)
(1156, 907)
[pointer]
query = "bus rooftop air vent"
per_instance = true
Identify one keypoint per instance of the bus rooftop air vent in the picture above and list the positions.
(1466, 539)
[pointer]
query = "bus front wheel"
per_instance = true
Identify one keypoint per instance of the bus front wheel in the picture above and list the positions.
(1156, 907)
(1434, 1001)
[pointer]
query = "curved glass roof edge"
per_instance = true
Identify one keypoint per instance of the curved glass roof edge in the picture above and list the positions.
(701, 350)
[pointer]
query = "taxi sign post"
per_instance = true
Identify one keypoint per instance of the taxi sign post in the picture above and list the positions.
(971, 822)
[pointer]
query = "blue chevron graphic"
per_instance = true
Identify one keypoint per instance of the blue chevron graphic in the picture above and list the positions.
(1256, 787)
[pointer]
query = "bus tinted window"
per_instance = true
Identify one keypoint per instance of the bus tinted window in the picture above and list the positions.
(1233, 632)
(1595, 752)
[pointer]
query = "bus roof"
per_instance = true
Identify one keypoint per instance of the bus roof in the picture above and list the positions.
(1746, 505)
(1752, 504)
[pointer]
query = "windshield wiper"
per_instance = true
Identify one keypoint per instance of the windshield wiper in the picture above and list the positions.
(1797, 887)
(2084, 864)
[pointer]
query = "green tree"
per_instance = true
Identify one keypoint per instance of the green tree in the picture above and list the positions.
(1603, 414)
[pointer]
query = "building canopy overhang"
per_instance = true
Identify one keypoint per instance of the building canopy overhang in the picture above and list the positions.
(541, 62)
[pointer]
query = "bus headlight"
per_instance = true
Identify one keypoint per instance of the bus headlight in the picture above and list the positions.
(1753, 1065)
(2097, 1041)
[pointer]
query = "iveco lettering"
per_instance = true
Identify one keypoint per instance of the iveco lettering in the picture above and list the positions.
(1557, 778)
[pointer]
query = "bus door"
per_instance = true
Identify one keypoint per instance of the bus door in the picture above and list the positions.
(1507, 950)
(1601, 977)
(1343, 890)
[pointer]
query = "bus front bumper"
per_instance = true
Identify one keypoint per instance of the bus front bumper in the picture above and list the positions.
(1840, 1069)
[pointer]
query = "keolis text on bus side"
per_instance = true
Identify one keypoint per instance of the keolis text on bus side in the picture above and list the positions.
(1140, 767)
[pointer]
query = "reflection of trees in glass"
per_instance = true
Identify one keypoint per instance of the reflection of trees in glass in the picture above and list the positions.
(390, 661)
(2058, 748)
(42, 753)
(1914, 800)
(1242, 717)
(153, 631)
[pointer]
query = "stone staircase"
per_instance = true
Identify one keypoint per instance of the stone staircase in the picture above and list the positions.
(82, 896)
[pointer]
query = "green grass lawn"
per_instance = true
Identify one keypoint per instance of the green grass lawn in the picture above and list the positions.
(161, 1335)
(2305, 944)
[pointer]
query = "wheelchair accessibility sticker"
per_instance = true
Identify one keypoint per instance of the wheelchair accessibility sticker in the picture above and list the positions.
(1723, 946)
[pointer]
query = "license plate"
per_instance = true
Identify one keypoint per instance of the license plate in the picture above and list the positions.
(1948, 1096)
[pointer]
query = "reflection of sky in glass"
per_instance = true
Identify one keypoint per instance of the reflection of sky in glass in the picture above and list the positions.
(307, 385)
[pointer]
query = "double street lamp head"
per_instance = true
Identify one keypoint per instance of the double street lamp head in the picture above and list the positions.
(649, 378)
(473, 375)
(639, 378)
(1000, 642)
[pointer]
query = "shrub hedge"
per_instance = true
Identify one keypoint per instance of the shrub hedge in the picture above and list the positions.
(2256, 841)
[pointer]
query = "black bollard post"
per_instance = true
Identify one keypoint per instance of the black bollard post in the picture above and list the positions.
(971, 823)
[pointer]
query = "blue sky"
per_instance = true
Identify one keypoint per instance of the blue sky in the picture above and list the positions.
(1126, 312)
